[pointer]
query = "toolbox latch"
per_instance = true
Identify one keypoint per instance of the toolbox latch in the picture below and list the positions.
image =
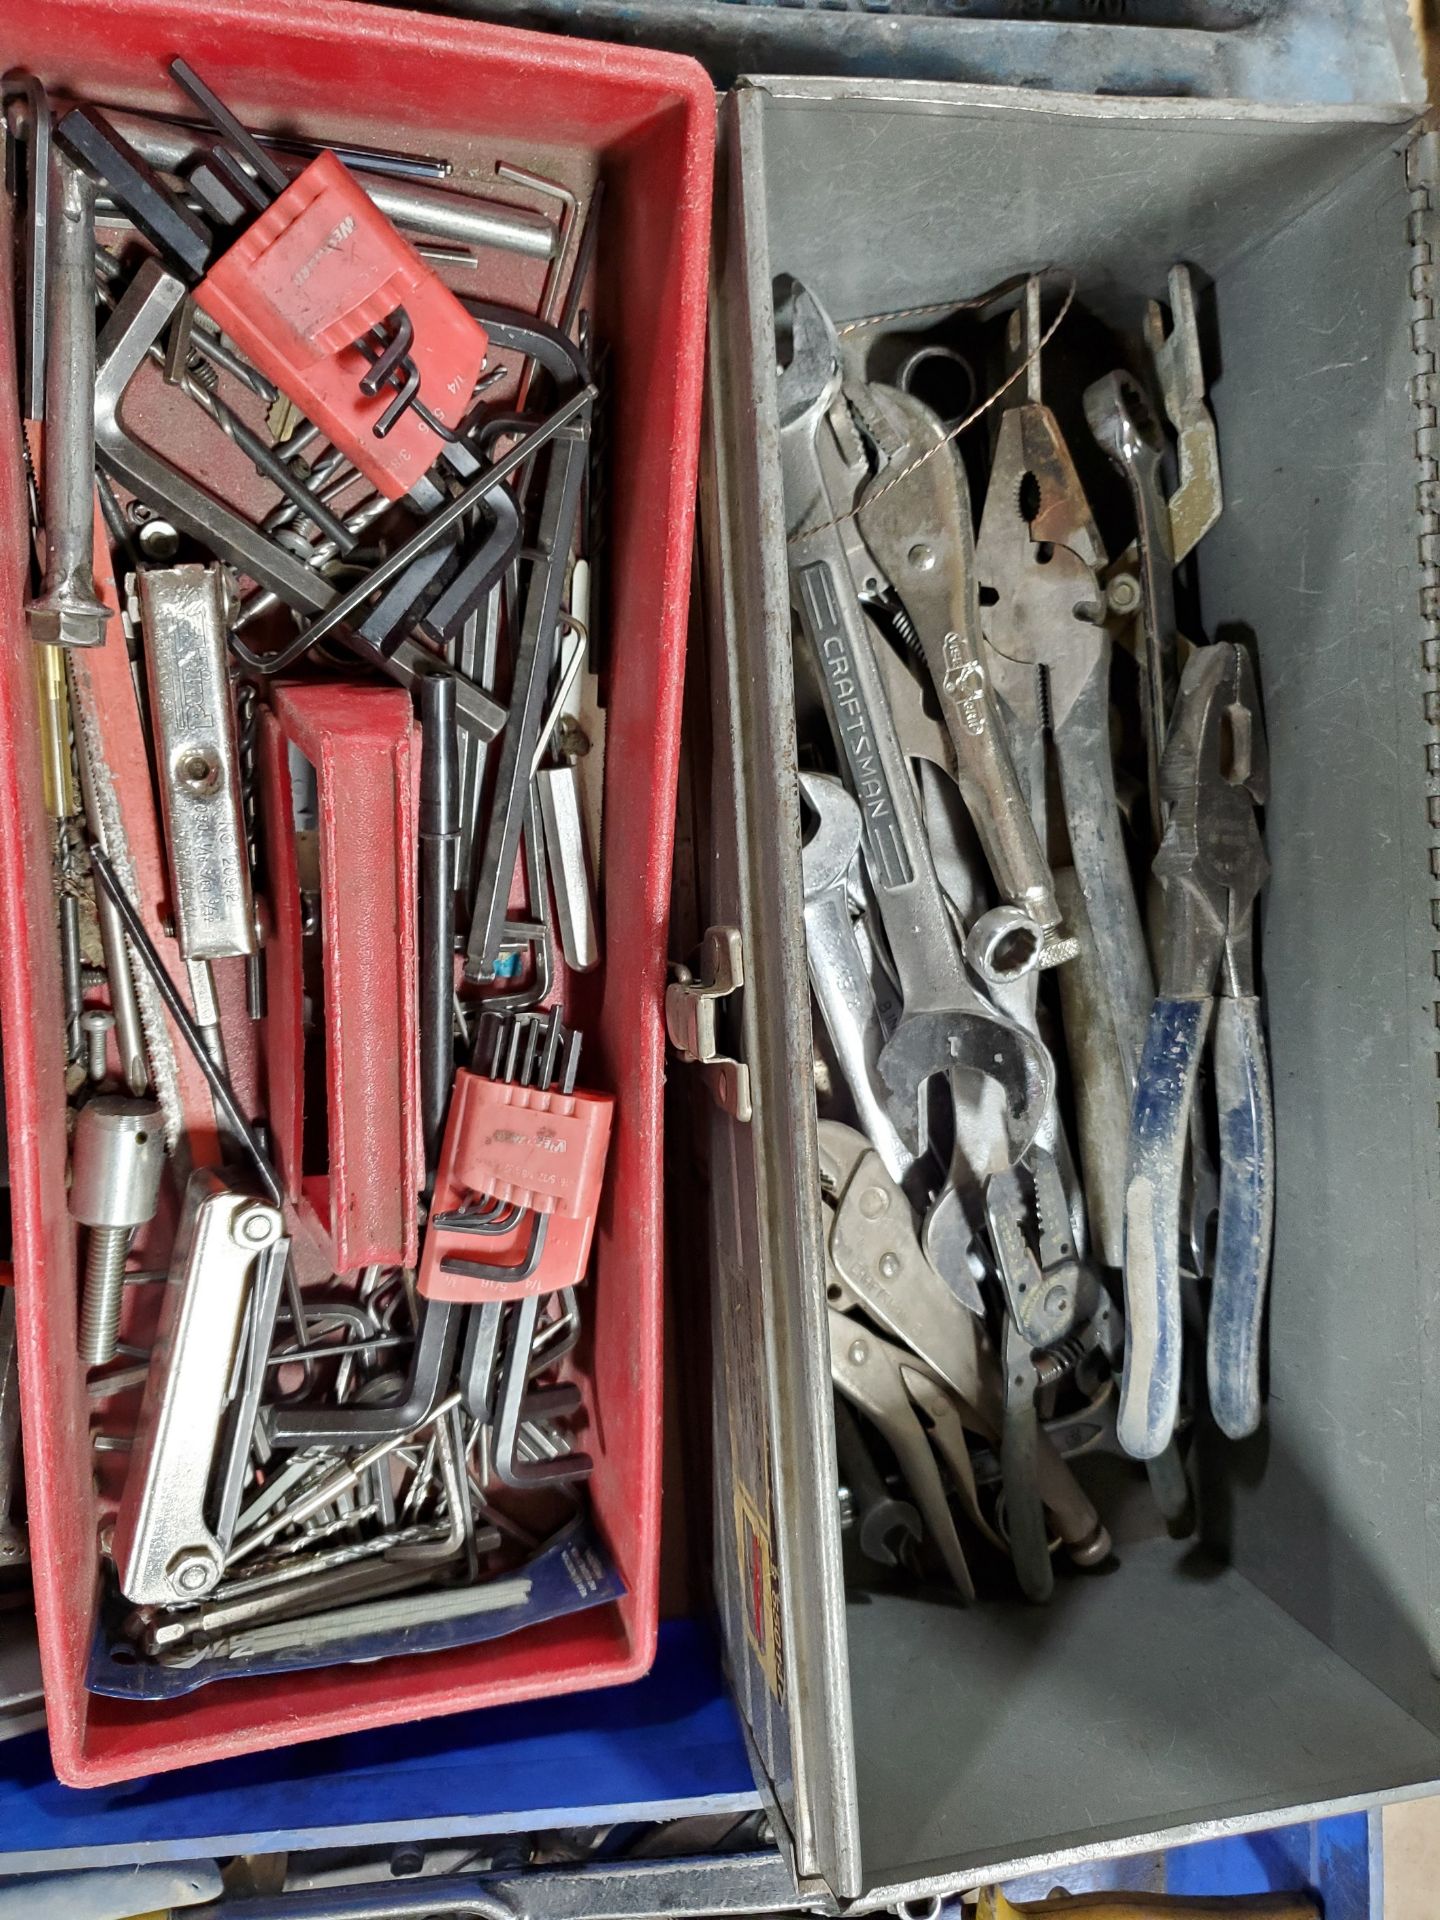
(690, 1007)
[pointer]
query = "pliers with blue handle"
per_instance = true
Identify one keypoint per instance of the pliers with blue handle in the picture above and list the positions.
(1211, 865)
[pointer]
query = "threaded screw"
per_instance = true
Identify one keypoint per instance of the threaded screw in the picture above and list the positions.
(104, 1293)
(118, 1154)
(96, 1023)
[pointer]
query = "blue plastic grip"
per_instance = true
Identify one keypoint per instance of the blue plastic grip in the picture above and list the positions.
(1159, 1125)
(1247, 1216)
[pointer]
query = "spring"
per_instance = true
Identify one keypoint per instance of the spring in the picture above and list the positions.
(904, 629)
(1052, 1366)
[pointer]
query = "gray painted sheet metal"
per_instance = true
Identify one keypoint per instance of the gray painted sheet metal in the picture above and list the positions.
(1159, 1687)
(777, 1553)
(1193, 1703)
(1271, 50)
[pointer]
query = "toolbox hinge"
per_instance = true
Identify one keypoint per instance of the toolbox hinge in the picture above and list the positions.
(1422, 167)
(690, 1008)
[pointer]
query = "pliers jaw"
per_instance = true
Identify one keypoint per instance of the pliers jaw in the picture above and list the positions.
(1211, 861)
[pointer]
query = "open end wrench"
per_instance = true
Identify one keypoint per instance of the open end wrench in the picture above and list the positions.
(838, 974)
(946, 1026)
(1121, 420)
(888, 1529)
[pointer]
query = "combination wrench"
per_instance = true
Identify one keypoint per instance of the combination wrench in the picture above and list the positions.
(946, 1026)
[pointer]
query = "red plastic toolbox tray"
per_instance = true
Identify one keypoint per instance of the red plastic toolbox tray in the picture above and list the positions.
(327, 68)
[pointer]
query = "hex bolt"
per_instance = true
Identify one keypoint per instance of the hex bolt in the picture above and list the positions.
(69, 611)
(96, 1023)
(193, 1572)
(114, 1185)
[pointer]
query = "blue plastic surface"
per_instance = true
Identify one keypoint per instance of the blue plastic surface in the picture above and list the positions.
(667, 1746)
(1329, 1858)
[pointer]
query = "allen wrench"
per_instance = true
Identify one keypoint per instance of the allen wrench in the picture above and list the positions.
(518, 1402)
(226, 1104)
(431, 1363)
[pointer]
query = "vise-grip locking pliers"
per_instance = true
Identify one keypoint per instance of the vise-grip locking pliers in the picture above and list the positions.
(1048, 656)
(1053, 1305)
(1212, 866)
(945, 1025)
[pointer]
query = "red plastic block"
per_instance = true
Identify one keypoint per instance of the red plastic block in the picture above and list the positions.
(544, 1152)
(361, 742)
(317, 270)
(382, 75)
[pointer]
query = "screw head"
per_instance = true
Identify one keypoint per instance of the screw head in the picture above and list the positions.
(158, 540)
(1123, 593)
(1057, 1301)
(255, 1227)
(193, 1571)
(921, 556)
(889, 1266)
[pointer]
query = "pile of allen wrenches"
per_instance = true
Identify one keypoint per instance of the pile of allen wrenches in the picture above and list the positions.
(320, 713)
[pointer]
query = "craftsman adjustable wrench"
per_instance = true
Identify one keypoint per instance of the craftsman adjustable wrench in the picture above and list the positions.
(945, 1025)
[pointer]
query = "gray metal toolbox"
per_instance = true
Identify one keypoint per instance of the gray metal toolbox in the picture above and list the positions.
(1287, 1665)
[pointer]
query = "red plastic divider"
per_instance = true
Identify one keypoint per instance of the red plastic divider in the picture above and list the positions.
(361, 742)
(328, 68)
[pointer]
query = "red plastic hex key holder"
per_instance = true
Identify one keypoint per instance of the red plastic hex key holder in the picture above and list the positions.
(382, 75)
(361, 741)
(543, 1151)
(319, 268)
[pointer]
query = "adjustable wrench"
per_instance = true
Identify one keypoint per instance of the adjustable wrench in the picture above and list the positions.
(888, 1529)
(945, 1025)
